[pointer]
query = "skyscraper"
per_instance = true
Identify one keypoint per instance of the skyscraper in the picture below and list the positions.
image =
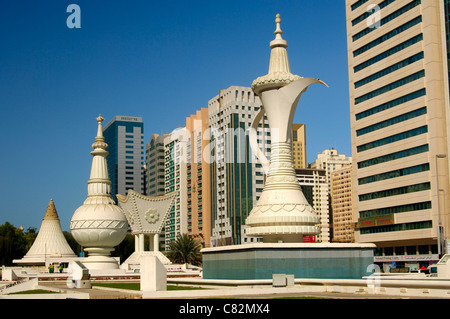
(399, 108)
(198, 177)
(299, 145)
(314, 186)
(342, 204)
(237, 178)
(154, 166)
(330, 160)
(175, 151)
(125, 138)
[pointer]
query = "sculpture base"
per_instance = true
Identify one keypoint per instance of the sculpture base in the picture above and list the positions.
(99, 258)
(100, 263)
(303, 260)
(134, 261)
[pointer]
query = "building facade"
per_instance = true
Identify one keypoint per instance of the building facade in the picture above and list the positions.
(237, 178)
(315, 188)
(330, 160)
(198, 177)
(342, 204)
(154, 166)
(175, 152)
(399, 108)
(299, 145)
(125, 138)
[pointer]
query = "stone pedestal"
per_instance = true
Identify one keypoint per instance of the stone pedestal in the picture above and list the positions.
(99, 258)
(153, 274)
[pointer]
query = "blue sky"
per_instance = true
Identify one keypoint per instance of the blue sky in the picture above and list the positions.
(161, 60)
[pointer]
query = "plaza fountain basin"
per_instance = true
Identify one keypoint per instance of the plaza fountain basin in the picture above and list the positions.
(303, 260)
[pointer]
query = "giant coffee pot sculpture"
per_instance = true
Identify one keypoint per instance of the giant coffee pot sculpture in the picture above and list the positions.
(282, 213)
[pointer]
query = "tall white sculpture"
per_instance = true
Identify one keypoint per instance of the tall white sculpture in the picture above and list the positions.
(99, 225)
(282, 213)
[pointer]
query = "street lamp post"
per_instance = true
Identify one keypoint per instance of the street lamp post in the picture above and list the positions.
(438, 203)
(445, 224)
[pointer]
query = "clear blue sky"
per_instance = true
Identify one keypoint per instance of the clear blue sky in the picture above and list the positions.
(161, 60)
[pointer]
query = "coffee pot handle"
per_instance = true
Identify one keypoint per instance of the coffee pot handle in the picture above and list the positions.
(253, 140)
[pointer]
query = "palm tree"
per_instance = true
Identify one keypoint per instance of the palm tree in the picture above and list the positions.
(185, 249)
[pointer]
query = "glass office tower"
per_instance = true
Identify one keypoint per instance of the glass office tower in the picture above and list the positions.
(125, 138)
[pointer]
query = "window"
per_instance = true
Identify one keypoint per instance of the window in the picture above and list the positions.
(367, 14)
(387, 19)
(397, 227)
(387, 36)
(411, 250)
(394, 174)
(394, 210)
(399, 251)
(391, 86)
(390, 69)
(357, 4)
(395, 191)
(388, 53)
(423, 249)
(390, 104)
(393, 138)
(392, 121)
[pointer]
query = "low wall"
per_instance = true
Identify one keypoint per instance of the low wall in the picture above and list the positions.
(373, 285)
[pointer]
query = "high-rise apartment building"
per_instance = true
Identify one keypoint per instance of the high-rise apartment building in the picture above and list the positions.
(314, 186)
(299, 145)
(175, 152)
(399, 108)
(342, 204)
(198, 177)
(330, 160)
(125, 138)
(237, 178)
(154, 166)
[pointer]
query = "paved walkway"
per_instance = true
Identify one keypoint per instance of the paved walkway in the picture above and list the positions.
(239, 293)
(99, 292)
(261, 293)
